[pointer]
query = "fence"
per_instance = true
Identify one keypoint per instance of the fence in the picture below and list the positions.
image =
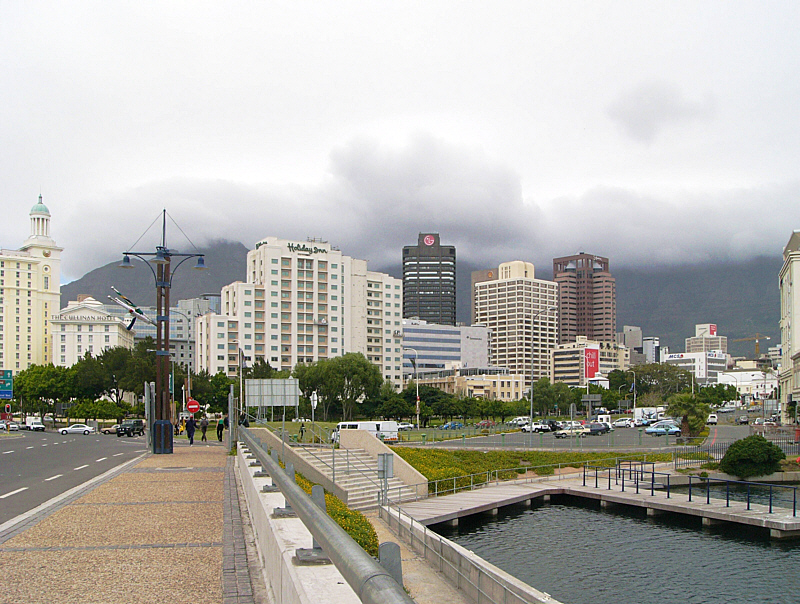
(688, 457)
(640, 479)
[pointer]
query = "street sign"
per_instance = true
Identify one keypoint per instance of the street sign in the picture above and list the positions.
(192, 406)
(6, 384)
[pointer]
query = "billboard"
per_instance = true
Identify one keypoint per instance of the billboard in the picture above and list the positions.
(272, 393)
(591, 362)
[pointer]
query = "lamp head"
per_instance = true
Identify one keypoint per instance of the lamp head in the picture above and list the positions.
(201, 264)
(126, 262)
(161, 256)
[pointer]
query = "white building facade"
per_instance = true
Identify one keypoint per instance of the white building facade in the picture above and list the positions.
(30, 293)
(84, 326)
(790, 324)
(521, 313)
(706, 366)
(303, 302)
(437, 347)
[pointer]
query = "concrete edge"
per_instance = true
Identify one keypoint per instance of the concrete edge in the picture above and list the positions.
(45, 508)
(464, 564)
(277, 540)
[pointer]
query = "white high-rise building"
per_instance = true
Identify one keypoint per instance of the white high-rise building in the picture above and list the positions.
(303, 302)
(522, 314)
(30, 292)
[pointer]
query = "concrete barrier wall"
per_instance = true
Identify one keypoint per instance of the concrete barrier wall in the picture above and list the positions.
(361, 439)
(477, 578)
(277, 540)
(269, 439)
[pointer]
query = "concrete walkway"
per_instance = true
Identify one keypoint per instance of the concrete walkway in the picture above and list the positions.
(159, 529)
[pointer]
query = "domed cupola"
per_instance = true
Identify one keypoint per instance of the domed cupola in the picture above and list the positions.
(40, 220)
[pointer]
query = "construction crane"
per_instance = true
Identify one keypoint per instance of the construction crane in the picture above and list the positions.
(756, 338)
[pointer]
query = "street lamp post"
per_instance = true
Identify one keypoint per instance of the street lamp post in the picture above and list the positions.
(163, 274)
(416, 381)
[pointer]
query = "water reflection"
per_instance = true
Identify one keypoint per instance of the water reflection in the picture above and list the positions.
(580, 555)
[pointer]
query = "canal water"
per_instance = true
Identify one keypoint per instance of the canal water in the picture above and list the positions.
(581, 555)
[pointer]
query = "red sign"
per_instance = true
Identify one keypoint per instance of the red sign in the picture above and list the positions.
(591, 362)
(429, 240)
(192, 406)
(712, 330)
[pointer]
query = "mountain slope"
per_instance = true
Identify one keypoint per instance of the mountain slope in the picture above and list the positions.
(226, 262)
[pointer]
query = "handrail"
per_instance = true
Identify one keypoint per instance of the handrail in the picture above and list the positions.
(642, 476)
(368, 579)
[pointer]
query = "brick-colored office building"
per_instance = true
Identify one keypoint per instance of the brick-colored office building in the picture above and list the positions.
(587, 304)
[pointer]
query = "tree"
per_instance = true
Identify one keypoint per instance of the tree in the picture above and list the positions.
(691, 410)
(89, 379)
(752, 456)
(661, 378)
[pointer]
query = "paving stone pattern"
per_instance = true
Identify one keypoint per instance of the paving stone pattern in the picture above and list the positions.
(168, 529)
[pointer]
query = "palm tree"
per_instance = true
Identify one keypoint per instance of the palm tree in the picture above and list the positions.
(687, 406)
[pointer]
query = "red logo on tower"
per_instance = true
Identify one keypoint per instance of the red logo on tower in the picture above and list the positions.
(429, 240)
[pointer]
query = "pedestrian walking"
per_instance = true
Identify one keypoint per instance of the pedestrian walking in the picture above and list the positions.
(220, 428)
(191, 425)
(302, 431)
(203, 428)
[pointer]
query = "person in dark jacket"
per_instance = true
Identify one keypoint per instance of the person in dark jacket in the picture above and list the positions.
(203, 428)
(220, 428)
(191, 426)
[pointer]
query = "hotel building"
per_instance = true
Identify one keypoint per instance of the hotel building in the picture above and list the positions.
(303, 302)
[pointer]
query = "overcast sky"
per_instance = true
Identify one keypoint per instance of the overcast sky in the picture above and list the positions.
(657, 131)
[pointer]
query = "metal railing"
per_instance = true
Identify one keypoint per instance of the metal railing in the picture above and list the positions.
(368, 579)
(742, 491)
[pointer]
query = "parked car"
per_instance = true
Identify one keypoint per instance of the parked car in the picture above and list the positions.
(131, 427)
(519, 421)
(662, 428)
(535, 427)
(13, 427)
(571, 431)
(742, 419)
(485, 423)
(405, 426)
(598, 428)
(77, 429)
(552, 424)
(712, 419)
(623, 422)
(110, 430)
(451, 426)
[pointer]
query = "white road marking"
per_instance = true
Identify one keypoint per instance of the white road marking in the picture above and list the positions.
(29, 447)
(117, 454)
(13, 492)
(7, 452)
(81, 467)
(45, 444)
(101, 459)
(53, 477)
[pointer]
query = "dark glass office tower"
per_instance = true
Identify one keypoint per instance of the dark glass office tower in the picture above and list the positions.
(429, 280)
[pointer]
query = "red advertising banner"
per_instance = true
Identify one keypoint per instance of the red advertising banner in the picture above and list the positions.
(712, 330)
(591, 362)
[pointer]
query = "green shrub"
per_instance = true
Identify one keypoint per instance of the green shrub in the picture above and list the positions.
(443, 464)
(353, 522)
(752, 456)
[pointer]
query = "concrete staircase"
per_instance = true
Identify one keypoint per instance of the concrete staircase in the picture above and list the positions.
(356, 473)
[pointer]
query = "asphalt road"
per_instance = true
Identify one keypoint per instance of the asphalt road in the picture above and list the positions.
(37, 466)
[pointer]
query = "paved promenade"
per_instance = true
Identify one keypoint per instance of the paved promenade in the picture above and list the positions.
(162, 528)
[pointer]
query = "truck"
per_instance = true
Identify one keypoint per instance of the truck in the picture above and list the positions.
(34, 423)
(384, 430)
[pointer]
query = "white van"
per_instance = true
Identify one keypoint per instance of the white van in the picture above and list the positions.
(385, 430)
